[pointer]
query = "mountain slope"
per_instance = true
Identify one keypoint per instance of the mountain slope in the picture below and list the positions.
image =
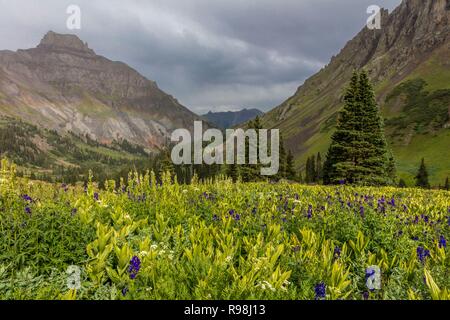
(225, 120)
(413, 45)
(46, 155)
(63, 85)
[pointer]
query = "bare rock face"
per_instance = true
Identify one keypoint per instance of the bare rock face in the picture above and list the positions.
(63, 85)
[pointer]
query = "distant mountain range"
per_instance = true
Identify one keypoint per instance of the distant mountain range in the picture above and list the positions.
(408, 60)
(229, 119)
(64, 85)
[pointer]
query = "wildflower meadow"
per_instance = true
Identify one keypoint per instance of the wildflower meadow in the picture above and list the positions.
(217, 239)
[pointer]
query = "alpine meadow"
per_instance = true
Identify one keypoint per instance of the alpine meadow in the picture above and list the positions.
(113, 189)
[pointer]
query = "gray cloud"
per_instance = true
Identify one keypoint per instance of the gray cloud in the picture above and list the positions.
(210, 54)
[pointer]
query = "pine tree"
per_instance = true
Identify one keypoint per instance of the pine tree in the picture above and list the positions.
(308, 170)
(446, 185)
(290, 171)
(251, 172)
(422, 176)
(358, 152)
(319, 173)
(312, 169)
(166, 164)
(233, 172)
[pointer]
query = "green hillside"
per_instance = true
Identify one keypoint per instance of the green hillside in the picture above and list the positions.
(47, 155)
(411, 75)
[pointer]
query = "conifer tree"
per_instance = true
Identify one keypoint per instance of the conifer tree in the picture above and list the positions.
(319, 172)
(251, 172)
(282, 172)
(308, 170)
(446, 185)
(312, 169)
(290, 171)
(233, 171)
(422, 176)
(358, 152)
(166, 163)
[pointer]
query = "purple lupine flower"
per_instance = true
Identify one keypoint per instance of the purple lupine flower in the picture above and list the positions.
(361, 211)
(28, 210)
(320, 290)
(231, 212)
(442, 242)
(215, 217)
(405, 208)
(135, 266)
(392, 202)
(254, 211)
(27, 198)
(342, 181)
(337, 252)
(422, 254)
(237, 217)
(74, 211)
(124, 291)
(96, 196)
(64, 187)
(309, 212)
(366, 295)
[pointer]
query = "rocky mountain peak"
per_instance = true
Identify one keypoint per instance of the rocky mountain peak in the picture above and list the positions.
(71, 42)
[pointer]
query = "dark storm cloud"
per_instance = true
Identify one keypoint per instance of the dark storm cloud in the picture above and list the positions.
(210, 54)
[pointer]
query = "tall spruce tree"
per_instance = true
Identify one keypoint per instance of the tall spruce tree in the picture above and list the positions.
(319, 170)
(166, 164)
(290, 171)
(312, 169)
(252, 172)
(308, 171)
(446, 185)
(358, 152)
(282, 172)
(422, 176)
(233, 171)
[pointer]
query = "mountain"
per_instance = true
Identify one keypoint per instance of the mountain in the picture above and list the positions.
(225, 120)
(65, 86)
(408, 61)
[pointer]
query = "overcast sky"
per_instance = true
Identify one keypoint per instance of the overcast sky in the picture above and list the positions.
(210, 54)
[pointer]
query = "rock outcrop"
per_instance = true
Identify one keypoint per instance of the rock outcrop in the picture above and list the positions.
(64, 85)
